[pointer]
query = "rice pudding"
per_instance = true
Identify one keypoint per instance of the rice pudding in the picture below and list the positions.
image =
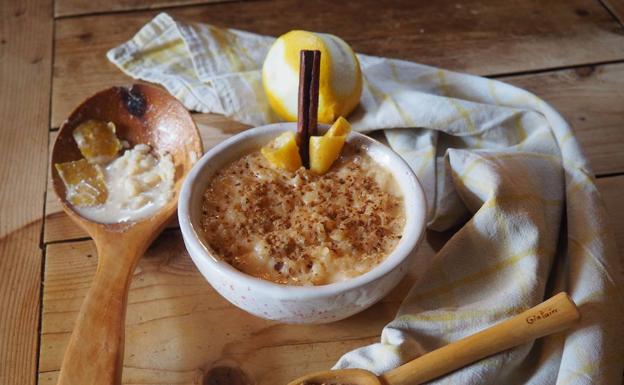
(108, 188)
(138, 183)
(300, 228)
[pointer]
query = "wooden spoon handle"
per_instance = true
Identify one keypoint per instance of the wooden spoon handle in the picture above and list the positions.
(94, 354)
(553, 315)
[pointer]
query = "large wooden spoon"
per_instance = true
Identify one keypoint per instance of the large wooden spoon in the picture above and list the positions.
(551, 316)
(142, 114)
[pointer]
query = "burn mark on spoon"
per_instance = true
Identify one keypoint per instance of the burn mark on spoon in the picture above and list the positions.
(134, 101)
(225, 375)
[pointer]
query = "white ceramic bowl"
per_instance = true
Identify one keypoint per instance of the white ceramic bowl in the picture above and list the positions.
(298, 304)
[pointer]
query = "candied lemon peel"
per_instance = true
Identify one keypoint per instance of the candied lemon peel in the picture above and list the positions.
(97, 141)
(283, 152)
(324, 150)
(84, 182)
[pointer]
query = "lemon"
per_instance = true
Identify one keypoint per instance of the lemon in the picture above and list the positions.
(97, 141)
(340, 127)
(283, 152)
(324, 150)
(340, 82)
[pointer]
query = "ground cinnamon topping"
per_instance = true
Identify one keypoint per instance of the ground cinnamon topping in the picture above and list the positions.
(300, 228)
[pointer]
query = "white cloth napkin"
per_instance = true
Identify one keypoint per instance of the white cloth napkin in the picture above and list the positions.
(492, 157)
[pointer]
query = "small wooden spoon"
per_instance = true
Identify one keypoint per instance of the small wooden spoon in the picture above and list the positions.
(551, 316)
(142, 114)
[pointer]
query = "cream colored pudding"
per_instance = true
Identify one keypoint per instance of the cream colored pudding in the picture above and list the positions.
(107, 188)
(138, 185)
(299, 228)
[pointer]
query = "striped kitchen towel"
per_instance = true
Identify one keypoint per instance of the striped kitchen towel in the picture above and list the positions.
(492, 157)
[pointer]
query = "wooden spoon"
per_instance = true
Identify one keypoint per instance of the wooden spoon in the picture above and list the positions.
(551, 316)
(142, 114)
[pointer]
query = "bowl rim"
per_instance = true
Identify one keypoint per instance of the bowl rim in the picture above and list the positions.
(406, 246)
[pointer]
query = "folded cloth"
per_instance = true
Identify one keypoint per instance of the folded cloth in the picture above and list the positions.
(492, 157)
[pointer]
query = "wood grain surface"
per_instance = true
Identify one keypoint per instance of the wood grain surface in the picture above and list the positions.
(25, 73)
(591, 99)
(611, 189)
(484, 37)
(616, 7)
(64, 8)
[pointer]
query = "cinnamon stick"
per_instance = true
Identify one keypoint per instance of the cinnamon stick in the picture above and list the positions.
(309, 73)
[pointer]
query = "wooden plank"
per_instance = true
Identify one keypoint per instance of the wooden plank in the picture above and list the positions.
(616, 7)
(591, 100)
(58, 226)
(63, 8)
(25, 73)
(611, 189)
(487, 37)
(179, 328)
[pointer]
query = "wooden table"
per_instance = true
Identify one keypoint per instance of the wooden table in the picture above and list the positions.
(179, 331)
